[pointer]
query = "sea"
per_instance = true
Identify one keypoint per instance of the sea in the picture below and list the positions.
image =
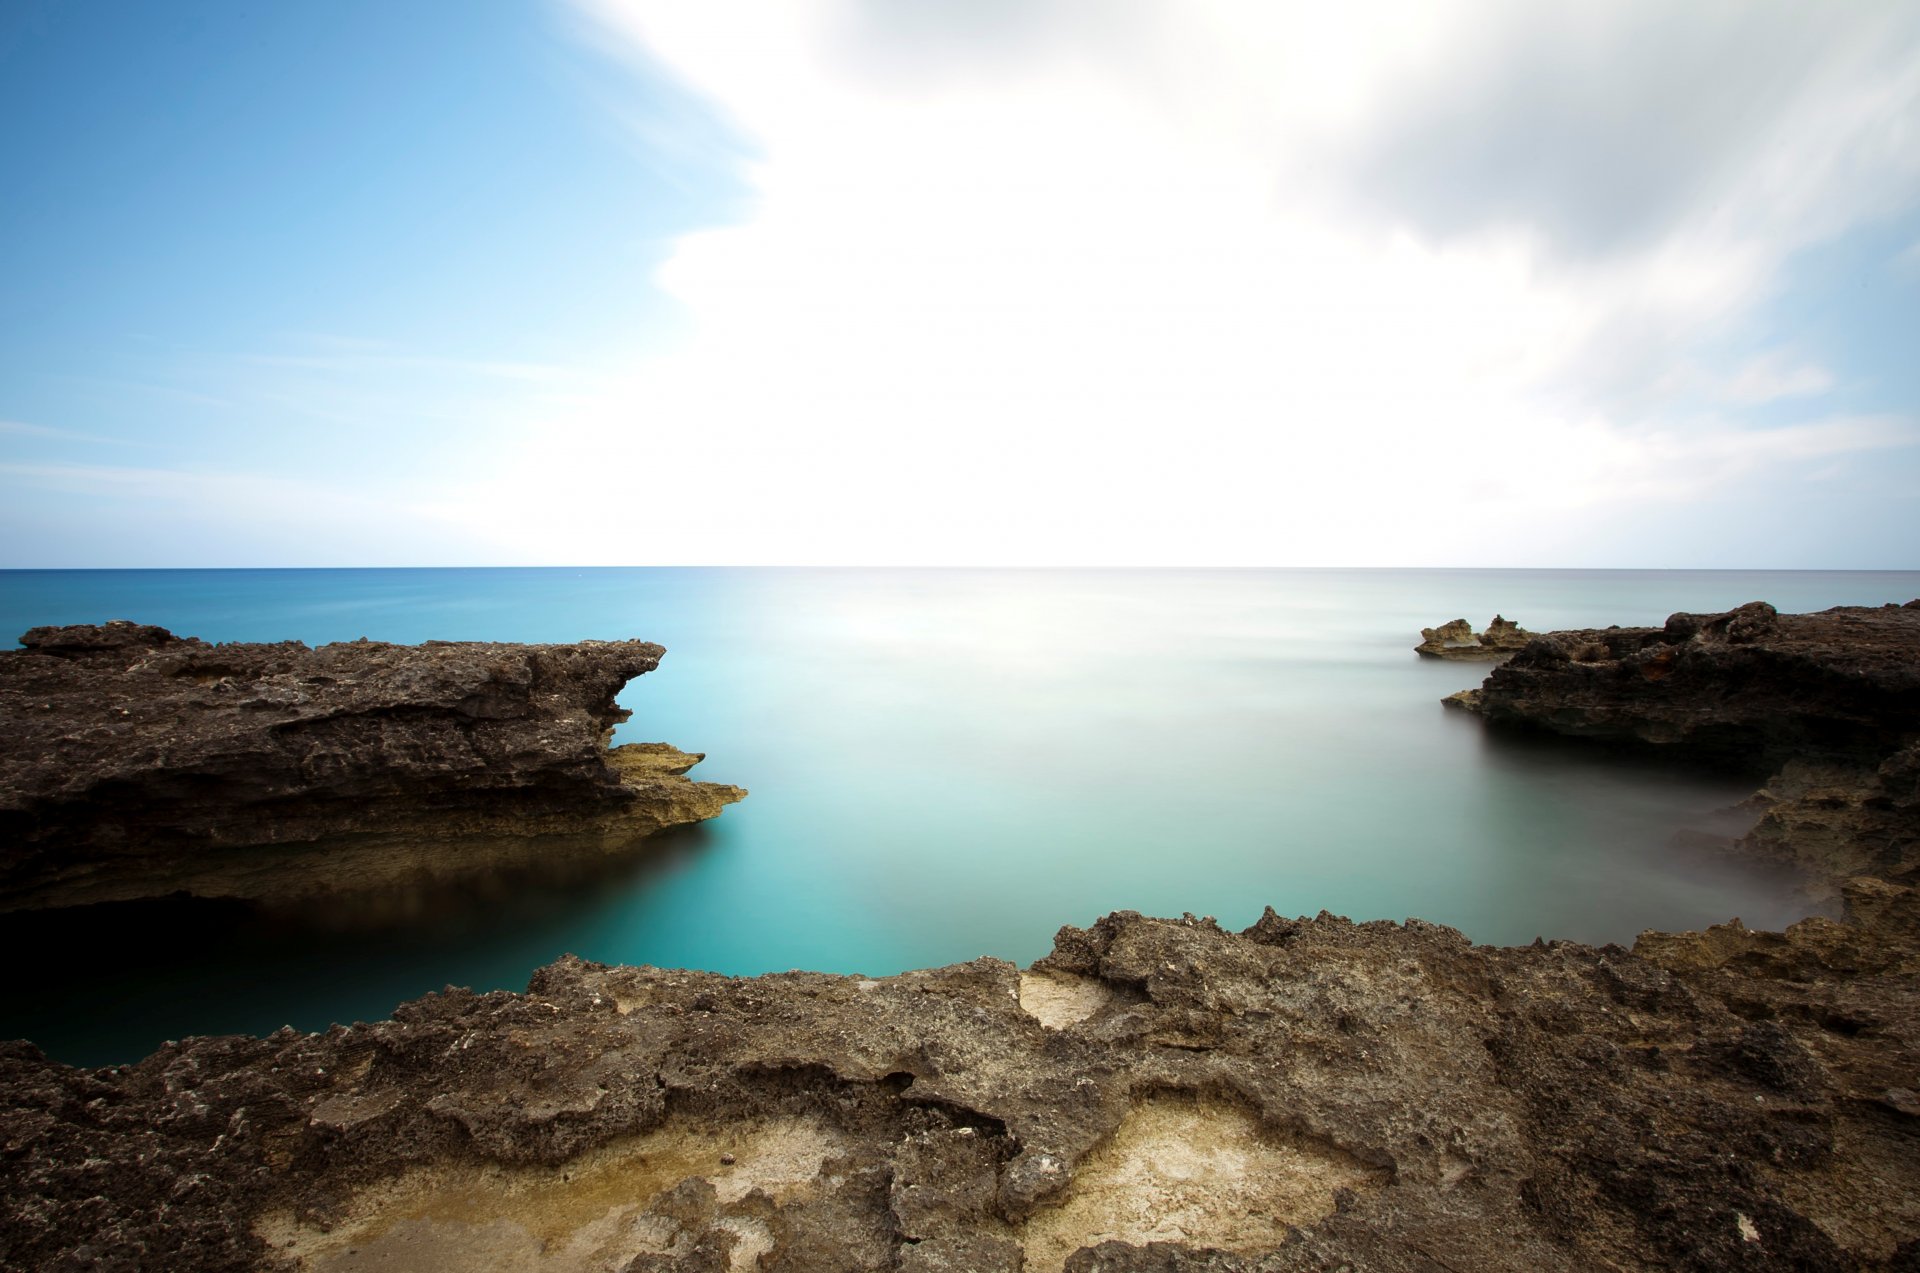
(946, 764)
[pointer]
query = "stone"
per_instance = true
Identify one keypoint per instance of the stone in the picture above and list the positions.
(1828, 703)
(1155, 1096)
(135, 763)
(1307, 1094)
(1457, 640)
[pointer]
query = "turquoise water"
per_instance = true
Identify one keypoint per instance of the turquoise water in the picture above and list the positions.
(945, 764)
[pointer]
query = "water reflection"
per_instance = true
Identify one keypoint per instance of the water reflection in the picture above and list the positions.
(91, 978)
(1604, 831)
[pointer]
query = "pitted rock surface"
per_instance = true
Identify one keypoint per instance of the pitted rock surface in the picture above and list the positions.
(1302, 1095)
(1457, 640)
(135, 763)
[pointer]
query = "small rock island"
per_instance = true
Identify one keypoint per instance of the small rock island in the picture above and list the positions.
(1457, 640)
(135, 764)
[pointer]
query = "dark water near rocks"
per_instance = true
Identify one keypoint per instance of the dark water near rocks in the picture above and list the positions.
(945, 764)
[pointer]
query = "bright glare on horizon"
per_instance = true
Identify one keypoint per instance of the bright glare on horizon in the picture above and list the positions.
(951, 282)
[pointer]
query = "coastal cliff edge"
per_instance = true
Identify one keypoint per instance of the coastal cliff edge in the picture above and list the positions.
(135, 763)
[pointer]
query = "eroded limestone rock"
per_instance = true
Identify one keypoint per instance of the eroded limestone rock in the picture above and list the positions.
(134, 763)
(1304, 1094)
(1458, 640)
(1827, 702)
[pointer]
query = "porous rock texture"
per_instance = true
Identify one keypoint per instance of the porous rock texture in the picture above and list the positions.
(135, 763)
(1155, 1095)
(1828, 703)
(1457, 640)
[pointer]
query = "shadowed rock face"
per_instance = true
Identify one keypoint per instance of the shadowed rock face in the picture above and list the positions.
(1155, 1095)
(1751, 686)
(134, 763)
(1831, 701)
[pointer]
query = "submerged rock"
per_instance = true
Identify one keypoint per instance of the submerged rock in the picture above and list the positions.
(135, 763)
(1458, 640)
(1154, 1095)
(1829, 702)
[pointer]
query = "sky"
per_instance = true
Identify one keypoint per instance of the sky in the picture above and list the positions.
(1602, 283)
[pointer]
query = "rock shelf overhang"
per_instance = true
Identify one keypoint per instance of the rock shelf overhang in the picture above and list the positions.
(135, 763)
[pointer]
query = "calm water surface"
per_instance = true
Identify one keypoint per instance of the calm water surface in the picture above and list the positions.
(945, 764)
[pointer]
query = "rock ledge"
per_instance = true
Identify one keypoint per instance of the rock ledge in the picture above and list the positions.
(1829, 703)
(1154, 1096)
(136, 763)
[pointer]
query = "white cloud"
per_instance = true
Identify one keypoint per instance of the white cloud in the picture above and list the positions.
(1772, 376)
(1101, 288)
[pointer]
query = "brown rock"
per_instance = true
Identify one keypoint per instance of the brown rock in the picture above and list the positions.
(1458, 640)
(134, 763)
(1831, 701)
(1304, 1095)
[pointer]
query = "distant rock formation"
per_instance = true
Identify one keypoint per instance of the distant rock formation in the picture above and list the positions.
(1828, 702)
(1458, 640)
(135, 763)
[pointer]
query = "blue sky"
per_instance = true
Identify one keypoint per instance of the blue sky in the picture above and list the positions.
(1060, 282)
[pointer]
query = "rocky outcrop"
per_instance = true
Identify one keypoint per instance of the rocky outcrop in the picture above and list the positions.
(1458, 640)
(1154, 1095)
(1828, 702)
(135, 763)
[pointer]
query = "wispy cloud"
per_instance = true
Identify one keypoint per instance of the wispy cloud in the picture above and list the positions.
(1773, 376)
(30, 430)
(378, 363)
(19, 428)
(1908, 261)
(222, 517)
(181, 393)
(1607, 129)
(159, 483)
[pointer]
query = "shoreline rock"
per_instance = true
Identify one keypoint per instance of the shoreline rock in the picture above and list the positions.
(1457, 640)
(1828, 703)
(135, 763)
(1155, 1095)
